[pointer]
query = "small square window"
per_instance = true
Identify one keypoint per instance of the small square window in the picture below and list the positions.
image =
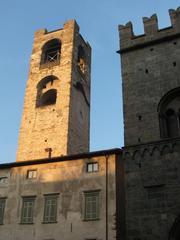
(32, 174)
(92, 167)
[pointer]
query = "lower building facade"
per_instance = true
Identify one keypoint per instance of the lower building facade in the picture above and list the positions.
(60, 198)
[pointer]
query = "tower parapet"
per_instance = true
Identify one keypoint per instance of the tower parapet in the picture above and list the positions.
(152, 34)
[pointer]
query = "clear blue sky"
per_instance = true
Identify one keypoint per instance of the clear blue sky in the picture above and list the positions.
(98, 21)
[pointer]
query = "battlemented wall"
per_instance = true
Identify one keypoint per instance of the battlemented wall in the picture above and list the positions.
(150, 68)
(62, 128)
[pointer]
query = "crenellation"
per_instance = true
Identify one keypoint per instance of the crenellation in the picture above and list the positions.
(71, 24)
(126, 31)
(175, 17)
(152, 34)
(40, 32)
(150, 24)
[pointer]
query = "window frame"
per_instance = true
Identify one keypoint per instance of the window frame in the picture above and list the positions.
(2, 209)
(93, 164)
(47, 218)
(53, 46)
(30, 171)
(96, 213)
(27, 219)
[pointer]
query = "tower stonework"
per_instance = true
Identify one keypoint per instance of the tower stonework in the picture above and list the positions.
(55, 119)
(151, 96)
(149, 70)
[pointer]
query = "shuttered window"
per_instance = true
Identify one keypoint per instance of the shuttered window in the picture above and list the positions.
(27, 210)
(50, 208)
(2, 207)
(91, 205)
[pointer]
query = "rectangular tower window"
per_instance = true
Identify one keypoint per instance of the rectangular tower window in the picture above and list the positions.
(50, 208)
(32, 174)
(27, 210)
(92, 167)
(2, 207)
(91, 211)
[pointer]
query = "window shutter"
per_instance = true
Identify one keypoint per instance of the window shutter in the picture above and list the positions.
(50, 209)
(91, 205)
(27, 210)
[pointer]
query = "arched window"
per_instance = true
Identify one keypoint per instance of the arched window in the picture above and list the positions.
(169, 114)
(81, 60)
(51, 52)
(48, 97)
(46, 91)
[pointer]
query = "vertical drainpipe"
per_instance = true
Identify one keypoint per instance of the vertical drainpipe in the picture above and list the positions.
(107, 157)
(120, 198)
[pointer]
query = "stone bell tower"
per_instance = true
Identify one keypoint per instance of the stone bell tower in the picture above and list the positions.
(55, 119)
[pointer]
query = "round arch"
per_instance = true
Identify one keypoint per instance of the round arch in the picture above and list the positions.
(46, 91)
(169, 114)
(51, 51)
(169, 96)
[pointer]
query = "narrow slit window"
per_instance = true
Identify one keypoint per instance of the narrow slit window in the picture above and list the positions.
(174, 64)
